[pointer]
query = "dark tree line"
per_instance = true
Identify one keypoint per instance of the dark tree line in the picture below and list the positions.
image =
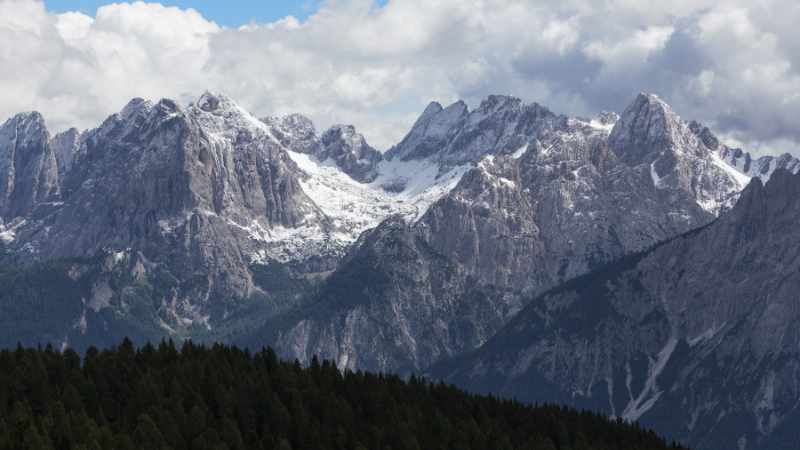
(220, 397)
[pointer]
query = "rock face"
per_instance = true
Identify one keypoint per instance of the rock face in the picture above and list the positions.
(341, 144)
(66, 146)
(350, 151)
(547, 198)
(650, 134)
(202, 192)
(28, 168)
(220, 219)
(703, 324)
(454, 135)
(295, 132)
(743, 162)
(352, 314)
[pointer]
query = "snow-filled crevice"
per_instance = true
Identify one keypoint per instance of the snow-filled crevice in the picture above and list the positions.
(650, 392)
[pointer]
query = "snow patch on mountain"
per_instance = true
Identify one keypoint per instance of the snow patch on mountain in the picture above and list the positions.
(407, 188)
(8, 231)
(739, 177)
(650, 392)
(594, 123)
(6, 236)
(520, 151)
(654, 175)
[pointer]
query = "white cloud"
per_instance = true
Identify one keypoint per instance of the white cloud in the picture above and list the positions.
(731, 64)
(630, 53)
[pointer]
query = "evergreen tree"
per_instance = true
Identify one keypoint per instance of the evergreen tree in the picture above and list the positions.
(147, 434)
(219, 398)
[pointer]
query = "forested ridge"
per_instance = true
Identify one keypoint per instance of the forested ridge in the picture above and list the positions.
(222, 397)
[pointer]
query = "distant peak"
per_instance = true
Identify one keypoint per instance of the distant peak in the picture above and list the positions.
(29, 124)
(167, 105)
(605, 120)
(344, 128)
(28, 118)
(432, 108)
(760, 203)
(705, 135)
(343, 132)
(647, 105)
(296, 118)
(70, 134)
(293, 121)
(649, 97)
(134, 106)
(210, 101)
(497, 101)
(647, 128)
(783, 182)
(607, 117)
(782, 185)
(216, 102)
(458, 106)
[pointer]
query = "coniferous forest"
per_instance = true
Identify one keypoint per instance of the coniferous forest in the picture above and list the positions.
(221, 397)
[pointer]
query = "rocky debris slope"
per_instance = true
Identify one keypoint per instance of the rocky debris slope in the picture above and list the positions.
(546, 198)
(703, 324)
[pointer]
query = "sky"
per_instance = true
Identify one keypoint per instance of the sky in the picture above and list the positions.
(229, 13)
(732, 64)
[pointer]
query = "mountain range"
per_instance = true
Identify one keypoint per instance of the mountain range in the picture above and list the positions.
(630, 263)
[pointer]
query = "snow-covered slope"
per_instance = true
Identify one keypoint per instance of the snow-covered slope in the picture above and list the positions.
(406, 188)
(746, 167)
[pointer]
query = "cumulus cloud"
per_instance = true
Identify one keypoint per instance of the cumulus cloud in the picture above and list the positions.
(731, 64)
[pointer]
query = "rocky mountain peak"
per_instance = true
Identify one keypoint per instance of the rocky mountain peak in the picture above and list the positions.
(647, 129)
(349, 149)
(345, 133)
(137, 106)
(761, 167)
(30, 119)
(431, 110)
(455, 135)
(295, 132)
(763, 202)
(705, 135)
(66, 145)
(221, 116)
(28, 168)
(606, 119)
(652, 138)
(211, 102)
(219, 193)
(431, 132)
(220, 105)
(27, 127)
(784, 186)
(495, 102)
(134, 122)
